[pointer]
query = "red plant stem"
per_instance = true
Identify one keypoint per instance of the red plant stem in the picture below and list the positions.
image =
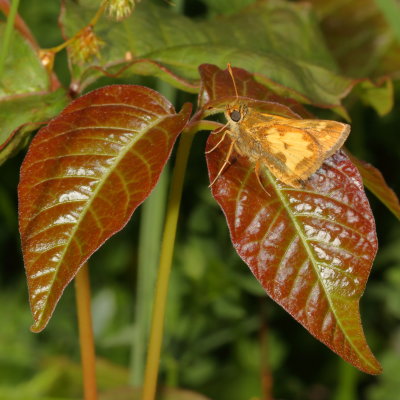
(82, 288)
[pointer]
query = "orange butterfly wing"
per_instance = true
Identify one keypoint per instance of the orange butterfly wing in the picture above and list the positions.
(293, 149)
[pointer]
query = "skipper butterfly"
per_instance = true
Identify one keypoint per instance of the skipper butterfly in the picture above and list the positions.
(292, 149)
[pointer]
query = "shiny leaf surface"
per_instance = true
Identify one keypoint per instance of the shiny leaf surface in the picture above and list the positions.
(311, 249)
(83, 177)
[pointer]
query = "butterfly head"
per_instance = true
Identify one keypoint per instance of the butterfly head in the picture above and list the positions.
(236, 112)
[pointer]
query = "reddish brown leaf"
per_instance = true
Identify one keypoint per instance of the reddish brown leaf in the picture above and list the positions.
(375, 182)
(311, 250)
(217, 90)
(83, 177)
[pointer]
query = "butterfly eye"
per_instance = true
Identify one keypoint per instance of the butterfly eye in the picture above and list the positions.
(235, 116)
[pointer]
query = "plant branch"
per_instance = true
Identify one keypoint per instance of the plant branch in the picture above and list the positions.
(82, 288)
(92, 23)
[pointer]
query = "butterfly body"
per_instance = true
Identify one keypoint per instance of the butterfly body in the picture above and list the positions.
(292, 149)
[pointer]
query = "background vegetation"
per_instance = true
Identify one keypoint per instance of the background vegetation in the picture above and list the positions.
(224, 337)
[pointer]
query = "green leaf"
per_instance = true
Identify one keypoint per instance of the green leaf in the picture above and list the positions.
(22, 114)
(26, 97)
(284, 46)
(23, 70)
(379, 96)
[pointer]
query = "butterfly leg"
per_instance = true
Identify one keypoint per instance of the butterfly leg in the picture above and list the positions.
(257, 172)
(219, 142)
(226, 162)
(220, 129)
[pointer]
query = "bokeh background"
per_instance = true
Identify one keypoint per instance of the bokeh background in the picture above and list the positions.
(224, 337)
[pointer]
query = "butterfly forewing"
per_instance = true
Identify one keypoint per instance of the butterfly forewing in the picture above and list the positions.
(300, 154)
(293, 149)
(330, 134)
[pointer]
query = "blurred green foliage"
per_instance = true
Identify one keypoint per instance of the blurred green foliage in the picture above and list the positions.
(220, 324)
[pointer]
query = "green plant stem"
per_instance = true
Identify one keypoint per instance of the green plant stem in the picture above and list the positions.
(167, 248)
(82, 288)
(151, 223)
(347, 382)
(8, 35)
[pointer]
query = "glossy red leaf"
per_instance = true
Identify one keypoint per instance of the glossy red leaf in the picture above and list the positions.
(83, 177)
(217, 89)
(311, 250)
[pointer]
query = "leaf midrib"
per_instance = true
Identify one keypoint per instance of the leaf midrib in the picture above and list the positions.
(314, 262)
(87, 207)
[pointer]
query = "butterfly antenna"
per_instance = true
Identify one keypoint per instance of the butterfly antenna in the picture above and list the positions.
(233, 80)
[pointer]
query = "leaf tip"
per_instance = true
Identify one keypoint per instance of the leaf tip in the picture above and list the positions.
(373, 367)
(41, 317)
(38, 326)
